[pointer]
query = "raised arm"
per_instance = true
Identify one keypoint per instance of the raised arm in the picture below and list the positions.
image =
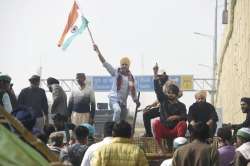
(101, 58)
(108, 67)
(158, 89)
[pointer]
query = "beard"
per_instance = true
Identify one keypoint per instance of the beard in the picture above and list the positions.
(201, 105)
(244, 110)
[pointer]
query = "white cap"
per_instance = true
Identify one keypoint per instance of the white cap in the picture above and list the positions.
(179, 141)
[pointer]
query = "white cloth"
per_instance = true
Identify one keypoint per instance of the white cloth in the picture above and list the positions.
(114, 95)
(244, 149)
(120, 111)
(90, 152)
(167, 162)
(7, 103)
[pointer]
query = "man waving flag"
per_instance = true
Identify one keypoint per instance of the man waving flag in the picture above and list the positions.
(75, 25)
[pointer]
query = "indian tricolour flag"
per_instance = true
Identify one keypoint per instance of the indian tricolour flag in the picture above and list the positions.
(75, 25)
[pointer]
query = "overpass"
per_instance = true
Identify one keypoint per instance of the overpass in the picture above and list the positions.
(143, 83)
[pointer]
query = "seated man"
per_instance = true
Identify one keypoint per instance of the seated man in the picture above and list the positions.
(172, 121)
(245, 108)
(202, 111)
(152, 110)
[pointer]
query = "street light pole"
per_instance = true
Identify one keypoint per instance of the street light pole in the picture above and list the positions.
(214, 53)
(214, 38)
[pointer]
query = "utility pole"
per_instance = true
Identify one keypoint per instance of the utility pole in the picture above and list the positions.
(214, 53)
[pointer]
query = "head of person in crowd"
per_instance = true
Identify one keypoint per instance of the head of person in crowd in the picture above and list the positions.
(200, 96)
(34, 81)
(225, 136)
(200, 131)
(81, 134)
(48, 129)
(122, 129)
(59, 120)
(5, 82)
(179, 141)
(81, 78)
(124, 64)
(90, 128)
(163, 77)
(51, 81)
(242, 136)
(41, 135)
(56, 139)
(107, 130)
(245, 104)
(171, 90)
(25, 116)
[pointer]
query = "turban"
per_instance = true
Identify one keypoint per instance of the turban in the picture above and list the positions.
(202, 93)
(125, 60)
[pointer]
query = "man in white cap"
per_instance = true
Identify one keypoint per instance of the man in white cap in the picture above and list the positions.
(242, 155)
(123, 84)
(178, 142)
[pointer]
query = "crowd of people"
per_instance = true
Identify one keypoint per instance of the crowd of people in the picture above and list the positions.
(167, 120)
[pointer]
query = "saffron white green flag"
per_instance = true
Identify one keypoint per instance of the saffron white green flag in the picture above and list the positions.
(75, 25)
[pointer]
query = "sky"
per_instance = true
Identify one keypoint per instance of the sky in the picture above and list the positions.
(147, 31)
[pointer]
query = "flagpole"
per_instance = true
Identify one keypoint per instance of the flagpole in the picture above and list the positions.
(90, 34)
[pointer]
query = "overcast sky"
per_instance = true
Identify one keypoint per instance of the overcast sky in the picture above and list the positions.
(147, 31)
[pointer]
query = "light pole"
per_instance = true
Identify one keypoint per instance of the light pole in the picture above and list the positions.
(214, 38)
(214, 53)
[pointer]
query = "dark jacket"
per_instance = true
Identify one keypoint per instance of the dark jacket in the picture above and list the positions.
(246, 123)
(35, 98)
(202, 112)
(196, 153)
(168, 109)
